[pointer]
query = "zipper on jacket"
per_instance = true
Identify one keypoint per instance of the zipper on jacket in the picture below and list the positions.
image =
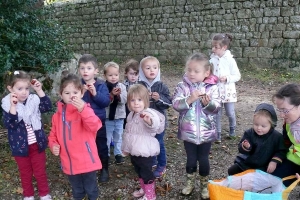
(65, 137)
(90, 151)
(197, 118)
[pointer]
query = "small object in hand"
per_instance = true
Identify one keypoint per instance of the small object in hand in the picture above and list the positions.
(32, 81)
(73, 98)
(202, 95)
(142, 115)
(15, 102)
(118, 89)
(88, 85)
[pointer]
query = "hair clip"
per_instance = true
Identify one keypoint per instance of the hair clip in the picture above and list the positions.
(16, 72)
(9, 72)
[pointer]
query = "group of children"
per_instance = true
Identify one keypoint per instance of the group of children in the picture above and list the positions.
(92, 112)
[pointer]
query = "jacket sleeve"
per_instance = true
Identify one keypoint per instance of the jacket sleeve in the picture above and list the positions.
(102, 96)
(10, 121)
(281, 151)
(164, 101)
(235, 74)
(215, 103)
(155, 123)
(123, 95)
(45, 104)
(247, 137)
(90, 121)
(180, 99)
(53, 133)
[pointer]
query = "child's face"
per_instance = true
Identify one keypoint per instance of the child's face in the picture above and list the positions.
(87, 71)
(217, 49)
(261, 124)
(288, 112)
(150, 69)
(196, 71)
(21, 89)
(69, 92)
(137, 104)
(112, 75)
(132, 75)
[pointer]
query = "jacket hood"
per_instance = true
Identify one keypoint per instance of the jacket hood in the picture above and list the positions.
(270, 109)
(212, 79)
(143, 78)
(227, 54)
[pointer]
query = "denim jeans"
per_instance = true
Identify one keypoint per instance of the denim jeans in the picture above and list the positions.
(161, 158)
(114, 130)
(83, 184)
(230, 113)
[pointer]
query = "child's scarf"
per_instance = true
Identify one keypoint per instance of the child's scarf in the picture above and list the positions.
(114, 103)
(28, 112)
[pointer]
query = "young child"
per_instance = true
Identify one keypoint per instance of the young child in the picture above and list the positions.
(72, 137)
(115, 112)
(225, 68)
(160, 100)
(287, 100)
(197, 101)
(96, 94)
(131, 78)
(142, 125)
(27, 139)
(261, 147)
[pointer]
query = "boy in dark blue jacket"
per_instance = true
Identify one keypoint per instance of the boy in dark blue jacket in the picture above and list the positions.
(160, 100)
(97, 95)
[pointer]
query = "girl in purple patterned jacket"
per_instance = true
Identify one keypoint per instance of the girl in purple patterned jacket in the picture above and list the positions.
(197, 100)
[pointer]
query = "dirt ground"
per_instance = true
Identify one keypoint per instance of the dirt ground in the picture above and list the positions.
(123, 178)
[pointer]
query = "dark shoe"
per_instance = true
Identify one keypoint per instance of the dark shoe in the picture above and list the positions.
(104, 176)
(119, 159)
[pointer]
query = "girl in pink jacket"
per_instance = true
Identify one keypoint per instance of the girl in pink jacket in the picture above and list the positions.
(72, 137)
(143, 123)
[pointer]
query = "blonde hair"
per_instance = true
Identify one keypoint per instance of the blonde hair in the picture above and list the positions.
(110, 64)
(149, 58)
(138, 90)
(200, 57)
(265, 113)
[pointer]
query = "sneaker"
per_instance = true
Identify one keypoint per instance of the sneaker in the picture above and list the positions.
(104, 176)
(119, 159)
(159, 171)
(29, 198)
(47, 197)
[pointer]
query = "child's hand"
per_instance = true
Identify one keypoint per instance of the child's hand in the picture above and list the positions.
(116, 91)
(155, 96)
(297, 176)
(56, 149)
(78, 103)
(246, 144)
(146, 117)
(13, 99)
(195, 95)
(205, 100)
(91, 88)
(36, 85)
(223, 79)
(272, 166)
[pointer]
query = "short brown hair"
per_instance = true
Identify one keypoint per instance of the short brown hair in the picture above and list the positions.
(223, 39)
(132, 64)
(68, 78)
(85, 58)
(138, 90)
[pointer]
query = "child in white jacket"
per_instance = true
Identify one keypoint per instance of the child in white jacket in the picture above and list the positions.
(143, 123)
(225, 68)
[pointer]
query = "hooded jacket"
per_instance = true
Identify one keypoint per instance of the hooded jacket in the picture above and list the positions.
(100, 101)
(197, 123)
(158, 86)
(226, 66)
(75, 132)
(264, 148)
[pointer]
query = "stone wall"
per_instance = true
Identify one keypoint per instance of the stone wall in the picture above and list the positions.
(265, 33)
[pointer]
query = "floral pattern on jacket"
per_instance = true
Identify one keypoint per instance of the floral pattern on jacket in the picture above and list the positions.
(197, 123)
(226, 66)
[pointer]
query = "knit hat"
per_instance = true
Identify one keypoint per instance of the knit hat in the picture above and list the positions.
(270, 109)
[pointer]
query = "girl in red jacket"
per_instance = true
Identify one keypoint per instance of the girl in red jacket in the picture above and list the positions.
(72, 137)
